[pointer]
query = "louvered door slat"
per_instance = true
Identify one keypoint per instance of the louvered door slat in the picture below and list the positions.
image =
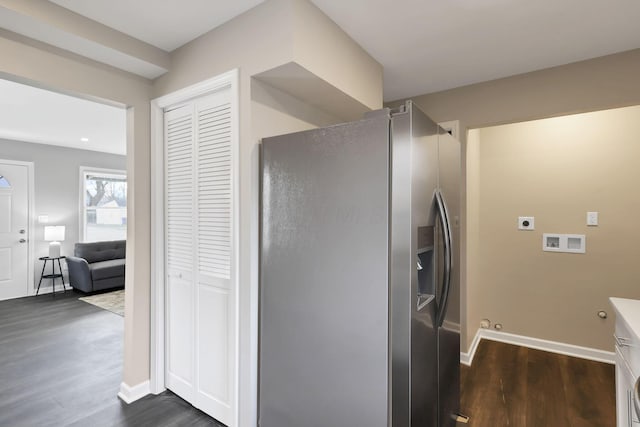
(214, 191)
(180, 191)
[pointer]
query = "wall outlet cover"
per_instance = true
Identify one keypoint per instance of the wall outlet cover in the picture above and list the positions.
(571, 243)
(526, 223)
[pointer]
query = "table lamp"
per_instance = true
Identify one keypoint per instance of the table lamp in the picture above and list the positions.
(54, 234)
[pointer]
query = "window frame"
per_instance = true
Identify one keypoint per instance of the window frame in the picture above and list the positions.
(84, 171)
(3, 179)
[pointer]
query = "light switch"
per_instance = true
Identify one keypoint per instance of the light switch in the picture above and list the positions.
(592, 218)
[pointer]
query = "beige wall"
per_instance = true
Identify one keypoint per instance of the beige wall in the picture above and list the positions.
(262, 39)
(556, 170)
(41, 65)
(320, 45)
(596, 84)
(68, 25)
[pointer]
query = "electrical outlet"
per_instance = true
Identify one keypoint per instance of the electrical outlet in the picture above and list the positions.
(526, 223)
(592, 218)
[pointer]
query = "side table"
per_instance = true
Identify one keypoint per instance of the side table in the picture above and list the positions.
(53, 276)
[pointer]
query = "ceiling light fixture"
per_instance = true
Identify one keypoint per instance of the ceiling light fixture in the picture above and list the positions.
(84, 139)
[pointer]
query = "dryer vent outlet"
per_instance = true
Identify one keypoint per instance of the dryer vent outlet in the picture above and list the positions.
(526, 223)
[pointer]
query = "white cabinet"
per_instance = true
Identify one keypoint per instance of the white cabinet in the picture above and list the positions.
(627, 337)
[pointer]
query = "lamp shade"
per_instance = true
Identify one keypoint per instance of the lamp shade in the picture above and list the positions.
(54, 233)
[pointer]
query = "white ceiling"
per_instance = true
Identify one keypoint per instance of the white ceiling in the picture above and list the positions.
(424, 45)
(427, 46)
(35, 115)
(166, 24)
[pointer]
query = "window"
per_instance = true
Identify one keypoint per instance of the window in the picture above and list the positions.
(103, 201)
(4, 183)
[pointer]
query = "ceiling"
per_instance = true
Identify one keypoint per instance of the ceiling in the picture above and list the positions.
(427, 45)
(424, 45)
(166, 24)
(35, 115)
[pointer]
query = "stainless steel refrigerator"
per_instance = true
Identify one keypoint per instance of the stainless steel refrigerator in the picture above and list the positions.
(359, 284)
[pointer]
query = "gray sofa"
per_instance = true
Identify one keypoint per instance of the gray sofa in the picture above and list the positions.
(97, 266)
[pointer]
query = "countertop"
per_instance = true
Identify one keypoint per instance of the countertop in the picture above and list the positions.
(629, 311)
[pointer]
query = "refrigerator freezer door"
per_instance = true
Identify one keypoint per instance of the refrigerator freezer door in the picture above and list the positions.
(324, 277)
(449, 332)
(413, 304)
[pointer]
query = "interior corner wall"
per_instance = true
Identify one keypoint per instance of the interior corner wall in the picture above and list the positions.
(35, 63)
(259, 40)
(592, 85)
(595, 84)
(471, 243)
(57, 190)
(275, 112)
(322, 46)
(557, 170)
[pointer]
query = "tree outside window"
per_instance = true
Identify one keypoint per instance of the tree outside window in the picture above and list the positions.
(105, 206)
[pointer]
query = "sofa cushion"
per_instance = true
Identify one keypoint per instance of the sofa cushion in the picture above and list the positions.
(101, 251)
(110, 283)
(106, 269)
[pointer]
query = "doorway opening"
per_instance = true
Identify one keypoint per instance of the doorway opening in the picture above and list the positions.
(47, 141)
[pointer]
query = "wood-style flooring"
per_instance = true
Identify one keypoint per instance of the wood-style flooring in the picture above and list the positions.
(515, 386)
(61, 365)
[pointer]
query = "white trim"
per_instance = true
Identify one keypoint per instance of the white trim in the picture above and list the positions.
(130, 394)
(158, 106)
(157, 366)
(467, 358)
(204, 87)
(31, 208)
(538, 344)
(82, 172)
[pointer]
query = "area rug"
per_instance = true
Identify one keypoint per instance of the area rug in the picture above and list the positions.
(111, 301)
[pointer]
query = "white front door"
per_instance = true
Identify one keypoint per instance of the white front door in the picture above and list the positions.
(14, 221)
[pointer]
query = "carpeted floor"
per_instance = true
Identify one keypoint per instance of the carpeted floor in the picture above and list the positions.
(110, 301)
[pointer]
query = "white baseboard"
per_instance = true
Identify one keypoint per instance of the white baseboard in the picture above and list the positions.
(48, 289)
(131, 394)
(467, 358)
(538, 344)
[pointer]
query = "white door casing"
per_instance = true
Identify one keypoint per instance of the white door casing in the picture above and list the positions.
(201, 291)
(16, 264)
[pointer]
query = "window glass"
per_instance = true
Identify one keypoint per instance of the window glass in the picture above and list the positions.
(105, 207)
(4, 183)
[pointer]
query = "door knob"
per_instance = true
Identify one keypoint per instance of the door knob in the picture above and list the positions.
(22, 240)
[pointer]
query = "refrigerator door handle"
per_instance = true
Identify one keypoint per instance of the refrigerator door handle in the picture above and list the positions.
(448, 255)
(636, 396)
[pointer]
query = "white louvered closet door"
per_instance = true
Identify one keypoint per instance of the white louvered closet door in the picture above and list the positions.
(200, 297)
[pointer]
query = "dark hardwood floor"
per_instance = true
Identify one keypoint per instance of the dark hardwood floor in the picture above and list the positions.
(61, 365)
(514, 386)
